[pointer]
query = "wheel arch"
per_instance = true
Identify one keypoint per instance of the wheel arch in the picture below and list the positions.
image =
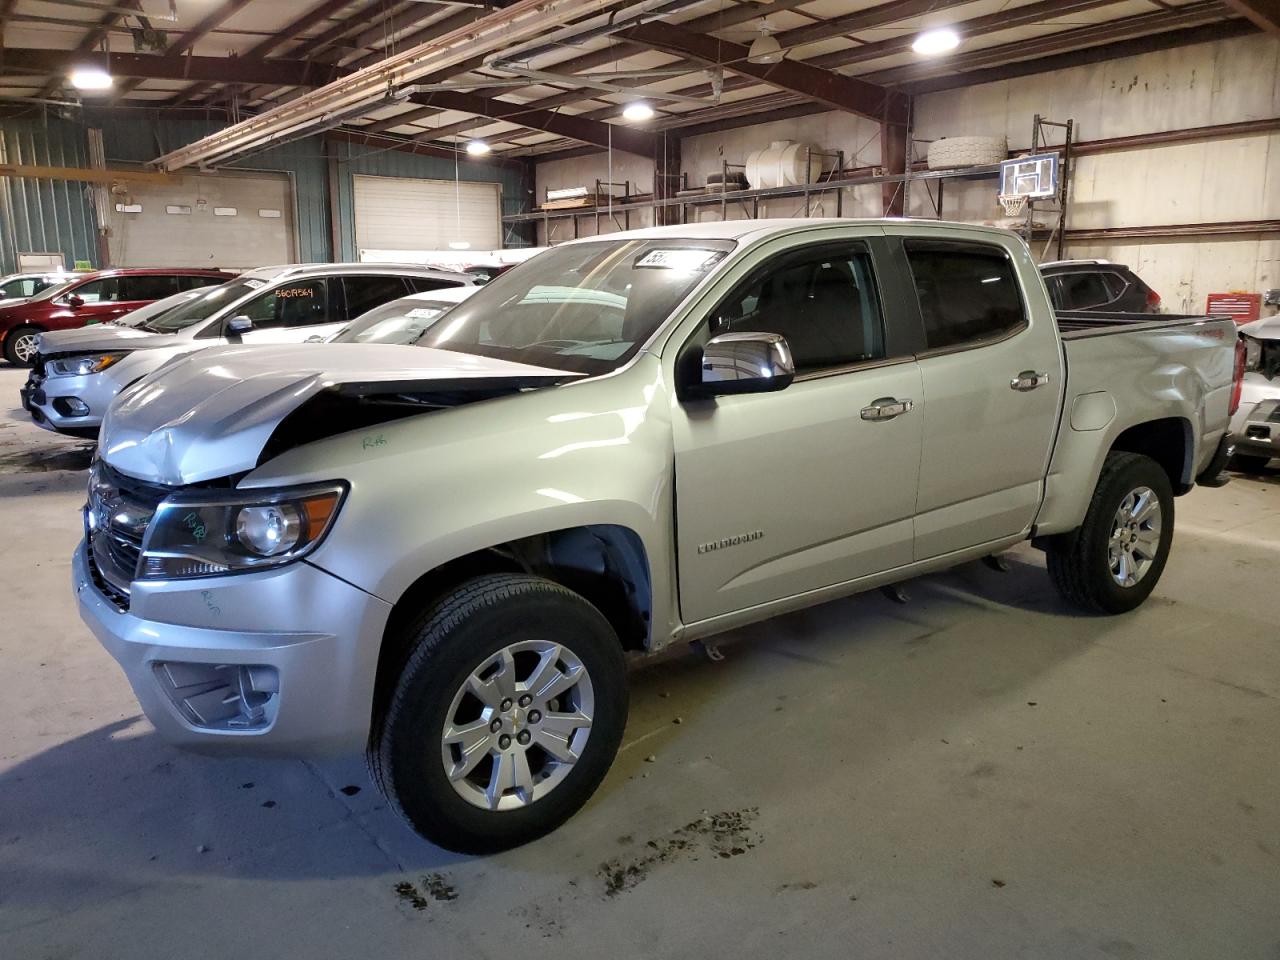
(607, 564)
(1170, 442)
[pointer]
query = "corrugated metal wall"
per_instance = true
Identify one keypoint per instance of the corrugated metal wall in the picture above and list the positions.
(45, 216)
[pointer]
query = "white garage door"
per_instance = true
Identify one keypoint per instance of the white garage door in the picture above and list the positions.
(204, 220)
(396, 213)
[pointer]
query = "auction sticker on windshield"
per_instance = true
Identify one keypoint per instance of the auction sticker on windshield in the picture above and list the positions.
(679, 259)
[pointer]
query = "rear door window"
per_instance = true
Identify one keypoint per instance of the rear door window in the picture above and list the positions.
(148, 287)
(968, 292)
(196, 281)
(427, 284)
(364, 293)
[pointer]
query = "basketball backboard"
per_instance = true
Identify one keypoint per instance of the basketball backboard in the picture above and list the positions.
(1035, 176)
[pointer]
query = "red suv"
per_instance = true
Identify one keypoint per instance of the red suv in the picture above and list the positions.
(92, 298)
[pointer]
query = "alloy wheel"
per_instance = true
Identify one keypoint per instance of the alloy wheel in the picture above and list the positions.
(517, 725)
(1135, 537)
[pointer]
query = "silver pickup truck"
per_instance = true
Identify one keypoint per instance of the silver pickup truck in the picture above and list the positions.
(442, 551)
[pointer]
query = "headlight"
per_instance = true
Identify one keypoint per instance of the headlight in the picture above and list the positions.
(83, 366)
(203, 533)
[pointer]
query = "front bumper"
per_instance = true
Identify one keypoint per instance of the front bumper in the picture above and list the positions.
(49, 401)
(318, 636)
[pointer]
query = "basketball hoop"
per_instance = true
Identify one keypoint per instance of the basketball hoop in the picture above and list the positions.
(1015, 204)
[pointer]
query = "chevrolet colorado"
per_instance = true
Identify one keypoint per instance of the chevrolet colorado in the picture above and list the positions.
(441, 552)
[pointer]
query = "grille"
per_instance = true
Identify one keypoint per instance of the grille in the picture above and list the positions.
(120, 508)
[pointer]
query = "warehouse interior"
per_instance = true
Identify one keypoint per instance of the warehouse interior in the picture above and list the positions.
(963, 767)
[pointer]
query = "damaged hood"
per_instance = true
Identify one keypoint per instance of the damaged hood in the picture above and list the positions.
(211, 414)
(100, 336)
(1263, 340)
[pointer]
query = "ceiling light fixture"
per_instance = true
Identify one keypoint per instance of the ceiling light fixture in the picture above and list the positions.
(931, 43)
(477, 148)
(637, 112)
(91, 78)
(764, 49)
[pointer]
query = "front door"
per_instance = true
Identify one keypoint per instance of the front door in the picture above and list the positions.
(782, 493)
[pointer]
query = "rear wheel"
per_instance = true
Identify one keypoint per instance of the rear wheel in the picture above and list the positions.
(1246, 463)
(20, 346)
(506, 717)
(1114, 560)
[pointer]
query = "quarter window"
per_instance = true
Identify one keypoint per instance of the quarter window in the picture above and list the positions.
(427, 284)
(967, 292)
(1081, 291)
(825, 306)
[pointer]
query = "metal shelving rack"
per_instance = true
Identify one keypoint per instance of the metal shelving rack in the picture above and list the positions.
(835, 181)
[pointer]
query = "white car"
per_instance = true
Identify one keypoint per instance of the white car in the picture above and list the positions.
(77, 373)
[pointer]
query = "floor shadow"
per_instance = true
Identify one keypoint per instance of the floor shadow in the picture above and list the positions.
(47, 459)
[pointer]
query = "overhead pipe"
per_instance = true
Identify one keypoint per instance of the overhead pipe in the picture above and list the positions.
(503, 28)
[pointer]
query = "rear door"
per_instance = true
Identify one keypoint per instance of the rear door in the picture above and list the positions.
(781, 493)
(992, 378)
(137, 290)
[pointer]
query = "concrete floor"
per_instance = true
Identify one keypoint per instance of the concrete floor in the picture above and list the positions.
(979, 774)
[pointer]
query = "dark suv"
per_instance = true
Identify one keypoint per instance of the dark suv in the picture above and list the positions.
(1097, 285)
(92, 298)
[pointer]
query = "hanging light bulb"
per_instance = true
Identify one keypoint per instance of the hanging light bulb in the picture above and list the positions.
(477, 148)
(637, 112)
(931, 43)
(765, 48)
(91, 78)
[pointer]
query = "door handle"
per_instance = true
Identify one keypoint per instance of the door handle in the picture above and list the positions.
(886, 408)
(1028, 380)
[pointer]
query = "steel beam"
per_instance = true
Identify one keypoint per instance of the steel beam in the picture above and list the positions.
(270, 45)
(85, 174)
(144, 66)
(593, 132)
(1265, 14)
(836, 90)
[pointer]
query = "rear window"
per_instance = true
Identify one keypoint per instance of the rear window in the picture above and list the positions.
(968, 293)
(1081, 291)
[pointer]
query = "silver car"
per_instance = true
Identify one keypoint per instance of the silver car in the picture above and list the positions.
(78, 373)
(1256, 425)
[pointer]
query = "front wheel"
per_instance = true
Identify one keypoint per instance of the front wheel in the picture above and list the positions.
(1114, 560)
(20, 346)
(506, 717)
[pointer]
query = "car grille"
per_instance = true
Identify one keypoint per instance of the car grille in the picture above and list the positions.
(119, 510)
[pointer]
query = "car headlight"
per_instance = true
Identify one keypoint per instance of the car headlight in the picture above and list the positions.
(201, 533)
(83, 366)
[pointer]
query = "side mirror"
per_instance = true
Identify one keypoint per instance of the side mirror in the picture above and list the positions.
(74, 300)
(238, 325)
(743, 363)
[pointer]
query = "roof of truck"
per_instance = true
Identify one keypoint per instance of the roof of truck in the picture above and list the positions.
(760, 229)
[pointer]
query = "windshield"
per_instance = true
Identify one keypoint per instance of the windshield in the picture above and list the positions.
(401, 321)
(584, 308)
(210, 301)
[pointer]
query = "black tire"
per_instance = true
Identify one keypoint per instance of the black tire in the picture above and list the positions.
(1247, 463)
(11, 345)
(453, 638)
(1078, 561)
